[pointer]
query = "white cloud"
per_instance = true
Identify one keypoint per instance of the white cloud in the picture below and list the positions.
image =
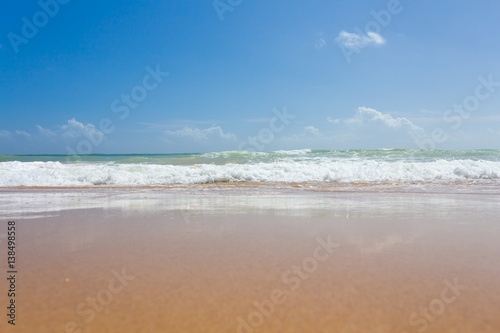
(311, 130)
(371, 129)
(353, 40)
(44, 131)
(364, 114)
(333, 121)
(213, 132)
(366, 129)
(23, 133)
(193, 139)
(75, 129)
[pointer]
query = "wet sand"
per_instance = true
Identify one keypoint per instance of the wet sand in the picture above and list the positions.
(148, 260)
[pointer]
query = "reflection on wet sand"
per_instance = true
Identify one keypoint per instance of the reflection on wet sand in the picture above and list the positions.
(158, 261)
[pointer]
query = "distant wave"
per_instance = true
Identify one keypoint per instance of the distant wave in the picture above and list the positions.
(251, 154)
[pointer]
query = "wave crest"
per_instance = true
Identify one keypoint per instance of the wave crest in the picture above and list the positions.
(53, 174)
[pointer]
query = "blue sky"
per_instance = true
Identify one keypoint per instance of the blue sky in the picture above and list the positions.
(91, 77)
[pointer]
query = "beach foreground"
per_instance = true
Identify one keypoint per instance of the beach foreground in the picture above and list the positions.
(226, 259)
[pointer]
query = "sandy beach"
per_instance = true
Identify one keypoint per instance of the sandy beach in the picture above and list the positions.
(253, 260)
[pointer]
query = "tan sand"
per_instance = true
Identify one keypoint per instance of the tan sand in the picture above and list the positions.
(261, 270)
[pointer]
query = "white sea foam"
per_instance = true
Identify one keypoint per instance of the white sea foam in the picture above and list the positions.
(320, 169)
(293, 152)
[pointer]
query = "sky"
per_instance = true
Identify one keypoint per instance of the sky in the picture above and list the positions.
(181, 76)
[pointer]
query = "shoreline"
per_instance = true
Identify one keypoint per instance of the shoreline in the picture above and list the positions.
(443, 187)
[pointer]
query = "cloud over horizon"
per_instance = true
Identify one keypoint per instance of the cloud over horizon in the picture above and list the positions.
(201, 134)
(195, 139)
(357, 41)
(75, 129)
(44, 131)
(366, 128)
(364, 114)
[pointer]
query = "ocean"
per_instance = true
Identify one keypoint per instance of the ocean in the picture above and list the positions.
(300, 168)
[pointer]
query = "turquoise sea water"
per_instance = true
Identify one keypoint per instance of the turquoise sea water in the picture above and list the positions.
(245, 156)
